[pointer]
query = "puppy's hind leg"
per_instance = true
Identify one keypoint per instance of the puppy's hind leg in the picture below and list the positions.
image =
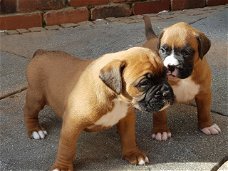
(34, 103)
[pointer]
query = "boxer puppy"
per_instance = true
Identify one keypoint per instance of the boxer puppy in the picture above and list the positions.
(183, 49)
(93, 95)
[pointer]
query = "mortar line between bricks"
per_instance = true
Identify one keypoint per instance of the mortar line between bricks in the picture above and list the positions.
(21, 56)
(13, 93)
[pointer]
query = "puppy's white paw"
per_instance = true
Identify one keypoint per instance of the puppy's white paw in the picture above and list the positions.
(38, 134)
(143, 162)
(212, 130)
(161, 136)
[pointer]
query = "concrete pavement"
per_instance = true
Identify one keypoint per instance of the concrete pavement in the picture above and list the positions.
(188, 149)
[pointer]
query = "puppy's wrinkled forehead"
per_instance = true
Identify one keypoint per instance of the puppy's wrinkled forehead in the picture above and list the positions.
(142, 64)
(179, 35)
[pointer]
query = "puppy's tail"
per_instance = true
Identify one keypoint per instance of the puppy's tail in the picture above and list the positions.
(148, 28)
(38, 52)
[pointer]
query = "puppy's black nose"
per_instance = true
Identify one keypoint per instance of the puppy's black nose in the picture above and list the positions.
(171, 68)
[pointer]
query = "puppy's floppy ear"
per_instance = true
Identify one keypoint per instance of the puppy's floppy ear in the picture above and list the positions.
(204, 44)
(111, 75)
(159, 39)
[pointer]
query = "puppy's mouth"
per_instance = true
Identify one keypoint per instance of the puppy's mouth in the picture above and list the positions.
(172, 72)
(157, 98)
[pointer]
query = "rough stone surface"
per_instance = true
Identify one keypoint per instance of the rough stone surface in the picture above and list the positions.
(11, 32)
(36, 29)
(23, 31)
(189, 149)
(54, 27)
(67, 25)
(12, 73)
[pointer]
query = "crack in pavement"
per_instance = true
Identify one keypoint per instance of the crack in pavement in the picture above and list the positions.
(13, 93)
(193, 22)
(21, 56)
(220, 163)
(25, 88)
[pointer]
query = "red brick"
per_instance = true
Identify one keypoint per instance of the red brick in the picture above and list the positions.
(116, 1)
(22, 20)
(67, 15)
(33, 5)
(79, 3)
(215, 2)
(114, 10)
(150, 6)
(8, 6)
(186, 4)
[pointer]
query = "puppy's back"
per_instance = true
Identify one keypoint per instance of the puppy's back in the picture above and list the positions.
(54, 74)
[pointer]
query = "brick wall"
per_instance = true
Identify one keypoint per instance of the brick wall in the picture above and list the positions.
(16, 14)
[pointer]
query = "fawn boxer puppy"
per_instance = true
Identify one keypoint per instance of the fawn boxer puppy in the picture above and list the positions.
(93, 95)
(182, 49)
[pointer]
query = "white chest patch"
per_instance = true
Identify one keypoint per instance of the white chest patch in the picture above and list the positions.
(185, 90)
(111, 118)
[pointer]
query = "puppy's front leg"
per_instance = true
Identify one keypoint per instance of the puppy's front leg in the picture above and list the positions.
(126, 129)
(160, 128)
(203, 102)
(67, 145)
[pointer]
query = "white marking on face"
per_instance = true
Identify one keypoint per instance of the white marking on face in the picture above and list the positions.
(118, 112)
(185, 90)
(171, 60)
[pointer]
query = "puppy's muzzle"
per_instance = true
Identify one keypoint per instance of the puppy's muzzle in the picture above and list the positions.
(157, 98)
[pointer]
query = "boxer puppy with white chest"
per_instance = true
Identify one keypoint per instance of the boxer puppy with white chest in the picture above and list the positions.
(93, 95)
(182, 49)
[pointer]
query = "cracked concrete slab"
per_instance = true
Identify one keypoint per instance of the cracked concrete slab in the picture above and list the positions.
(188, 149)
(12, 73)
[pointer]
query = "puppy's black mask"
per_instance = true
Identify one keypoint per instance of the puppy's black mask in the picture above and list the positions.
(157, 93)
(179, 60)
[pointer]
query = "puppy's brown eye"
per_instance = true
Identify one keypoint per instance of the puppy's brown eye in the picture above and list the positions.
(162, 50)
(143, 84)
(186, 52)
